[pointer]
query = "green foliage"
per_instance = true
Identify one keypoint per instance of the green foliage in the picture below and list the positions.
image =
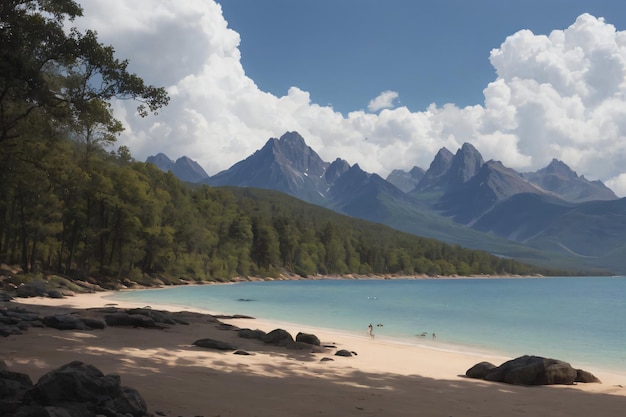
(66, 75)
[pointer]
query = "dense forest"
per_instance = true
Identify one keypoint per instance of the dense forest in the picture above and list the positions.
(71, 206)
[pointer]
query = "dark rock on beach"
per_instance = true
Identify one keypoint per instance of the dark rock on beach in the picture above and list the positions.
(157, 315)
(72, 322)
(531, 370)
(214, 344)
(32, 289)
(278, 337)
(252, 334)
(75, 390)
(16, 320)
(311, 339)
(480, 370)
(55, 294)
(132, 320)
(343, 352)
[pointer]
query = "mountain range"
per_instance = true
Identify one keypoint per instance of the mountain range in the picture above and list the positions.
(550, 217)
(184, 168)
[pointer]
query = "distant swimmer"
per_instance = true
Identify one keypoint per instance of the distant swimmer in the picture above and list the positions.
(423, 334)
(370, 328)
(379, 325)
(434, 336)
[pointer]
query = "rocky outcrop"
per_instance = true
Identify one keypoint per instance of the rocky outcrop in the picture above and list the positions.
(75, 389)
(531, 370)
(16, 320)
(159, 316)
(131, 320)
(72, 322)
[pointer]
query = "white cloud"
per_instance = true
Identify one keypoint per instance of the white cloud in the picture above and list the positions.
(617, 184)
(383, 101)
(561, 95)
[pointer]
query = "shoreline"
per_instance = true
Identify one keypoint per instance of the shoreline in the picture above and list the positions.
(470, 349)
(384, 375)
(477, 353)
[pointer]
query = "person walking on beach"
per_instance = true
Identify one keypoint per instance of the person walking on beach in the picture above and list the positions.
(369, 330)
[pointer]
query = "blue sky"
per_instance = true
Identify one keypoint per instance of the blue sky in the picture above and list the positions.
(523, 81)
(344, 52)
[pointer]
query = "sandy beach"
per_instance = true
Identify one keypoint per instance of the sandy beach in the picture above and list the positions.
(384, 379)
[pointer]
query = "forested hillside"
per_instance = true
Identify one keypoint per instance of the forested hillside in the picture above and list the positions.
(69, 206)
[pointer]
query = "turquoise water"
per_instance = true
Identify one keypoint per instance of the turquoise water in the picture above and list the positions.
(579, 320)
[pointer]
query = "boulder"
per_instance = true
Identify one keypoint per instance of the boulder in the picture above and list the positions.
(278, 337)
(55, 294)
(529, 370)
(125, 319)
(93, 323)
(252, 334)
(13, 385)
(75, 382)
(16, 321)
(311, 339)
(129, 402)
(78, 389)
(480, 370)
(343, 352)
(214, 344)
(72, 322)
(158, 316)
(64, 322)
(30, 290)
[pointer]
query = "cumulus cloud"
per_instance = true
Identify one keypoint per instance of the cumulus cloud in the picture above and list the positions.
(557, 95)
(383, 101)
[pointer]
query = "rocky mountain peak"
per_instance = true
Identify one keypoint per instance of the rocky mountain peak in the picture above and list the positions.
(465, 164)
(437, 169)
(184, 168)
(292, 150)
(162, 161)
(336, 169)
(557, 167)
(561, 180)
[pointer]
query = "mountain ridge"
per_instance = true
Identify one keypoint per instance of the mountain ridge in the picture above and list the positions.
(460, 198)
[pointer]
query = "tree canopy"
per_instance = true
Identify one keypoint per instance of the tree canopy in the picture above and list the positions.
(47, 70)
